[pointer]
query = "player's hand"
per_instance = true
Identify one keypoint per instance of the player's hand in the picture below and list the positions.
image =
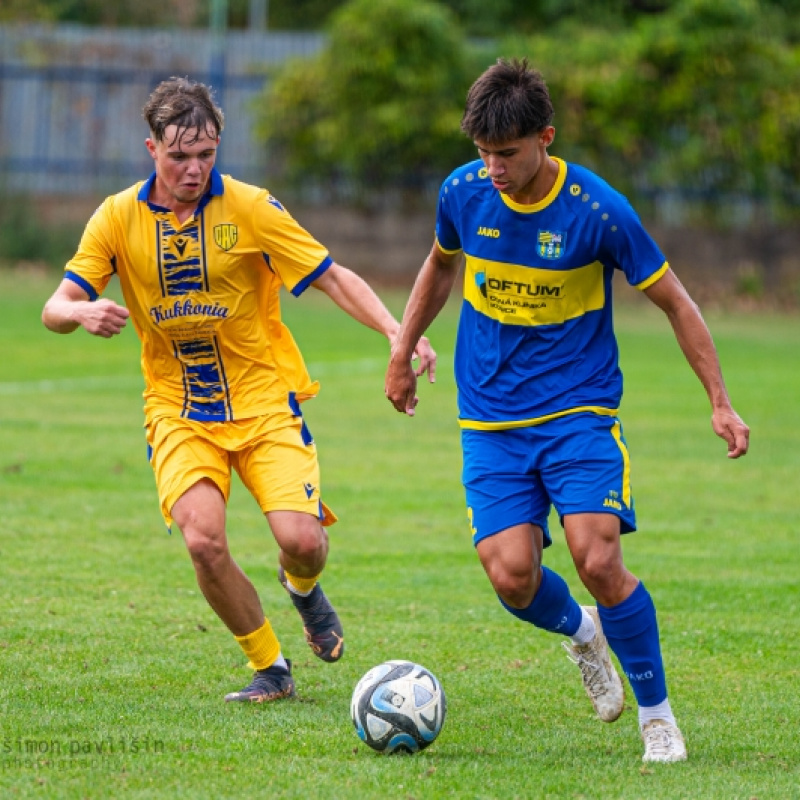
(426, 356)
(401, 386)
(728, 425)
(103, 317)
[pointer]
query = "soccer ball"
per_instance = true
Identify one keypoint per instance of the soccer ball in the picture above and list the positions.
(398, 707)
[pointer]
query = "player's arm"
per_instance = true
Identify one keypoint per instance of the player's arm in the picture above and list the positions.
(430, 293)
(355, 297)
(70, 308)
(694, 338)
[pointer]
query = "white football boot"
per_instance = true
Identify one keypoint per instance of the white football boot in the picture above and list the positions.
(663, 742)
(600, 678)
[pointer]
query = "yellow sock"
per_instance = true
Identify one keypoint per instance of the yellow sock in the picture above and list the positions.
(261, 646)
(301, 585)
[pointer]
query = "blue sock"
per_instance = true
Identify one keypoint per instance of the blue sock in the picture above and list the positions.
(553, 608)
(632, 633)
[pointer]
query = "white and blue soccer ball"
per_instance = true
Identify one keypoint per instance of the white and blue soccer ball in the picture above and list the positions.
(398, 707)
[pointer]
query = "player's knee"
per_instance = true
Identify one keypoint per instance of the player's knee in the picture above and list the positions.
(207, 553)
(599, 569)
(307, 545)
(514, 589)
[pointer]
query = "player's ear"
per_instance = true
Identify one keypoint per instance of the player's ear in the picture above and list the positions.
(151, 146)
(547, 135)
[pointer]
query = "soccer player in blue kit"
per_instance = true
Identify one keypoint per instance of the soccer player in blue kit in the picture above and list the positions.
(539, 385)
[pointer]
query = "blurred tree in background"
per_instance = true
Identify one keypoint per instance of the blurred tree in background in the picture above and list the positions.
(134, 13)
(379, 106)
(476, 17)
(704, 99)
(695, 97)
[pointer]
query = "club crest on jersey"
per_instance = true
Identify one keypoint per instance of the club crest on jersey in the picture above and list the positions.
(226, 235)
(550, 244)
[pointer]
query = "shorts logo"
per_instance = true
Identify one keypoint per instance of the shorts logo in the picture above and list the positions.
(226, 235)
(550, 244)
(612, 501)
(309, 487)
(472, 527)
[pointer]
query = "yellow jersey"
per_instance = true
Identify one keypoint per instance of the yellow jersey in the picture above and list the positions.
(204, 296)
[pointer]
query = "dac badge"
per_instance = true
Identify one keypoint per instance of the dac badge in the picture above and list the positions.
(226, 235)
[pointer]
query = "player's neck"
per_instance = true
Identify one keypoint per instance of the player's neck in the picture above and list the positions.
(539, 186)
(182, 210)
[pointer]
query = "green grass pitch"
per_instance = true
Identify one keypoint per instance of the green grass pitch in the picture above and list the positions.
(113, 668)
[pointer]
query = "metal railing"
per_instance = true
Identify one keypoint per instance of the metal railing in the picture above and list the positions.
(71, 100)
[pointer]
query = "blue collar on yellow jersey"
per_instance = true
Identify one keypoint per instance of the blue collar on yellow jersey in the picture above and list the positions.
(217, 187)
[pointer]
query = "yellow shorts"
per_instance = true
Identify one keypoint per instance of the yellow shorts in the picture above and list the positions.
(271, 454)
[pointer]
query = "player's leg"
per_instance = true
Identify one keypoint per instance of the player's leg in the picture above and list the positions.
(304, 546)
(526, 589)
(536, 594)
(629, 621)
(508, 515)
(507, 509)
(193, 479)
(200, 516)
(280, 468)
(590, 487)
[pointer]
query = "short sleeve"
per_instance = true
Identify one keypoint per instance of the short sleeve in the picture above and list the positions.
(630, 247)
(289, 249)
(446, 231)
(94, 262)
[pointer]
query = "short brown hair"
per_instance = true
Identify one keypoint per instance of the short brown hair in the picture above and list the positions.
(509, 101)
(187, 104)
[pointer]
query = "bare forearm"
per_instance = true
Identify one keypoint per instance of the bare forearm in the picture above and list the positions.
(431, 290)
(355, 297)
(697, 345)
(429, 294)
(692, 334)
(695, 341)
(62, 316)
(69, 308)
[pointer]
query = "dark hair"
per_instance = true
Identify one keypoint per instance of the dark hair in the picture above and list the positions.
(509, 101)
(185, 103)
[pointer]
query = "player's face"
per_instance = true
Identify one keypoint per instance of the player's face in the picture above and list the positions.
(516, 167)
(183, 162)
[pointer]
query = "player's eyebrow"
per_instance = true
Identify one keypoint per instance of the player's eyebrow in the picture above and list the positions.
(503, 151)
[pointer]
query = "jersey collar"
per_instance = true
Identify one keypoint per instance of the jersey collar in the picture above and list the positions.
(216, 187)
(547, 199)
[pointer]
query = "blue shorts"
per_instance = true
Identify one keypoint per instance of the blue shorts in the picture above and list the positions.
(577, 463)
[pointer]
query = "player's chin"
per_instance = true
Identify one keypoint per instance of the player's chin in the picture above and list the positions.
(189, 194)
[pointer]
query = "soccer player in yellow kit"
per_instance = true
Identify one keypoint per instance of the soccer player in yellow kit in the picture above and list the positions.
(201, 259)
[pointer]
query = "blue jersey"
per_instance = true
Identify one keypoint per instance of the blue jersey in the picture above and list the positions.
(535, 339)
